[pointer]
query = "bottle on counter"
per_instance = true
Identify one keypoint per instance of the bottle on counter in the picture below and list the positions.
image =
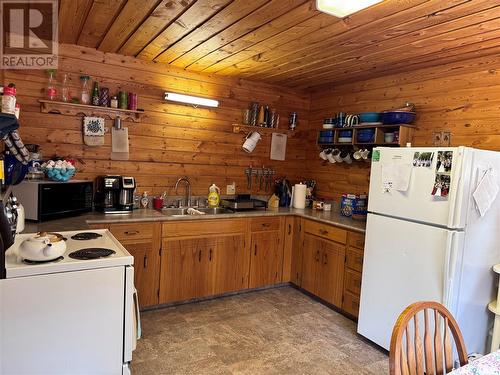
(65, 95)
(213, 196)
(85, 90)
(9, 99)
(144, 200)
(95, 93)
(51, 85)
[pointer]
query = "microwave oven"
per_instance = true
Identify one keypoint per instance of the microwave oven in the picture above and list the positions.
(45, 200)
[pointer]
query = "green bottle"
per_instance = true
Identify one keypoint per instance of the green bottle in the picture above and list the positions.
(95, 93)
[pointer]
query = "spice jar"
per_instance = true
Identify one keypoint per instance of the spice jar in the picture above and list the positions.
(9, 99)
(123, 100)
(114, 102)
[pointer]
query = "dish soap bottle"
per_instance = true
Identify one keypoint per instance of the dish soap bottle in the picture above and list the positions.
(144, 200)
(213, 196)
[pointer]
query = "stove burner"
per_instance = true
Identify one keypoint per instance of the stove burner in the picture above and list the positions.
(91, 253)
(27, 261)
(83, 236)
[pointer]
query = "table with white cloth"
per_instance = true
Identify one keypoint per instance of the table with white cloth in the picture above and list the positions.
(486, 365)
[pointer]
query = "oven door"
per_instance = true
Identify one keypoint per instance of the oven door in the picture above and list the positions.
(132, 318)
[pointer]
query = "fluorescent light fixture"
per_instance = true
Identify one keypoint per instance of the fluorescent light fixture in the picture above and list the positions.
(189, 99)
(343, 8)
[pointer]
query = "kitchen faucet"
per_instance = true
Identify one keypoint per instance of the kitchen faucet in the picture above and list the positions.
(188, 189)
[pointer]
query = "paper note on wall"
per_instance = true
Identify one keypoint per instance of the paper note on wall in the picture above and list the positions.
(396, 177)
(486, 192)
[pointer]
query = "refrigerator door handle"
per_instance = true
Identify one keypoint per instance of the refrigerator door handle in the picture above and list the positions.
(452, 244)
(457, 200)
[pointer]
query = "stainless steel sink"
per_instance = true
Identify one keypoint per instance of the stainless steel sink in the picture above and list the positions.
(174, 211)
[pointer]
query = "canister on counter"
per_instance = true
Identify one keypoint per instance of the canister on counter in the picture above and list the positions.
(132, 101)
(122, 100)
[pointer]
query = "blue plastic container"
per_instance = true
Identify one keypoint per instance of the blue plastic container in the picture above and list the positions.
(369, 117)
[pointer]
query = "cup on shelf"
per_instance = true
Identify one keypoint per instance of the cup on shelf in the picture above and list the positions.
(336, 156)
(345, 155)
(365, 154)
(389, 137)
(322, 154)
(329, 156)
(357, 155)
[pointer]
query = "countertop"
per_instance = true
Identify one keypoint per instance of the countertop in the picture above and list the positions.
(143, 215)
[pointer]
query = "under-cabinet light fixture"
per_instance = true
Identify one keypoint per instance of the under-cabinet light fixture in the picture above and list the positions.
(343, 8)
(189, 99)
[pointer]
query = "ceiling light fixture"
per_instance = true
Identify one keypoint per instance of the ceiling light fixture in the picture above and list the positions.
(343, 8)
(189, 99)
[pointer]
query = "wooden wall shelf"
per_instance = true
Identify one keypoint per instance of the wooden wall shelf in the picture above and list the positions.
(63, 108)
(237, 128)
(405, 136)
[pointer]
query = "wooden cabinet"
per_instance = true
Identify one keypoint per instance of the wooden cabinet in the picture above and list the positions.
(292, 251)
(146, 271)
(231, 263)
(353, 269)
(266, 259)
(186, 269)
(195, 266)
(323, 268)
(142, 241)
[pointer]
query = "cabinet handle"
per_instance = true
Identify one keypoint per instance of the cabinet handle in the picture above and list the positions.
(145, 261)
(131, 232)
(324, 232)
(325, 258)
(289, 229)
(199, 255)
(255, 251)
(317, 256)
(210, 255)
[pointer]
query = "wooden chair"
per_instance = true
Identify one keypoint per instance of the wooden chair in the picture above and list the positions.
(414, 356)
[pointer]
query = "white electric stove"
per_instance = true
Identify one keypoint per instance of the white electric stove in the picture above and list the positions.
(69, 316)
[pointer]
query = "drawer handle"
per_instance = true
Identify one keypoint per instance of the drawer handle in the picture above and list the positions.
(266, 225)
(323, 232)
(131, 232)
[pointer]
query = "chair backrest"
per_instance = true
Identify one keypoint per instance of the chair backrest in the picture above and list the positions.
(432, 354)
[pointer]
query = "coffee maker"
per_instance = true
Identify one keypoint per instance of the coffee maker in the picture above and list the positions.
(115, 194)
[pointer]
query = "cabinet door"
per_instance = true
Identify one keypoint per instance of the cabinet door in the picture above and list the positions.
(266, 259)
(230, 264)
(330, 281)
(296, 266)
(311, 253)
(146, 271)
(185, 269)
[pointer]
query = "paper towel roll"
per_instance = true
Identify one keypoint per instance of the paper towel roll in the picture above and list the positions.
(299, 196)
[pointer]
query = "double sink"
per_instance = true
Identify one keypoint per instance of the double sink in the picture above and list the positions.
(174, 211)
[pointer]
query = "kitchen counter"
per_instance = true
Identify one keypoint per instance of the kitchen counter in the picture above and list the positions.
(144, 215)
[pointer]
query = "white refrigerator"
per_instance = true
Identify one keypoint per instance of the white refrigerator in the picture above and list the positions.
(427, 240)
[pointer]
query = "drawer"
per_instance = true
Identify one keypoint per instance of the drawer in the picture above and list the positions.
(351, 304)
(326, 231)
(132, 231)
(352, 281)
(357, 240)
(354, 259)
(258, 224)
(203, 227)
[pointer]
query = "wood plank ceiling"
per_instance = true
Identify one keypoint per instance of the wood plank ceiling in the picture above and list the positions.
(286, 42)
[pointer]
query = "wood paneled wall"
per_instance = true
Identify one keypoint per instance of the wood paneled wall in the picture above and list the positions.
(173, 140)
(462, 97)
